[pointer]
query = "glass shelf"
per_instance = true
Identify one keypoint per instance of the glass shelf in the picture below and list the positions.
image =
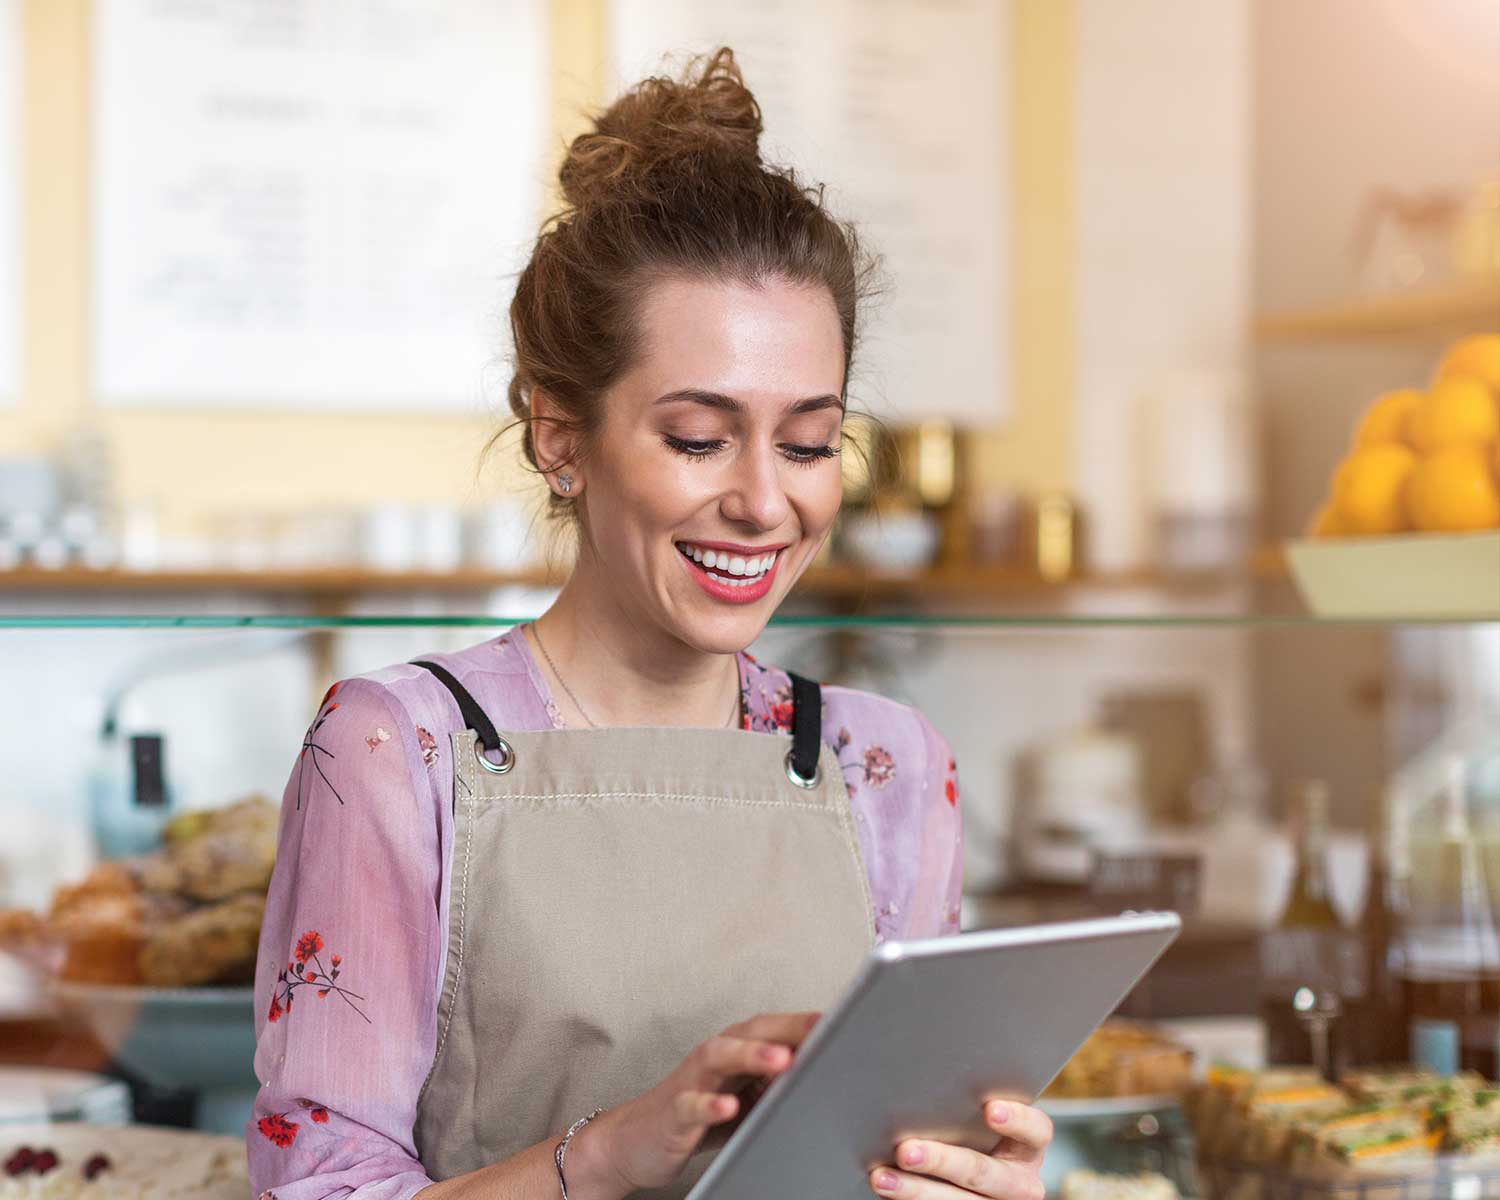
(955, 622)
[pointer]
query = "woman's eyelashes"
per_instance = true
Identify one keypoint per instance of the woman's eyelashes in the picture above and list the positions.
(803, 455)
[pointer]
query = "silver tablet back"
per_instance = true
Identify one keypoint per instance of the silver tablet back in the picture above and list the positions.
(926, 1032)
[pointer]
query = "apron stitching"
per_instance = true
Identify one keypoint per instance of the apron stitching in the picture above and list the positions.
(463, 905)
(693, 797)
(851, 835)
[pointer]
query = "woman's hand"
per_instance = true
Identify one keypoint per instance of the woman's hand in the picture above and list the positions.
(647, 1141)
(928, 1170)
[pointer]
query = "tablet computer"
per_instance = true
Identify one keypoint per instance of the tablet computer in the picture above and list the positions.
(927, 1031)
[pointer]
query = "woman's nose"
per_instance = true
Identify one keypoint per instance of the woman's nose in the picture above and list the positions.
(755, 493)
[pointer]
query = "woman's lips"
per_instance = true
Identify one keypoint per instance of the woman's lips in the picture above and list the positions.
(727, 592)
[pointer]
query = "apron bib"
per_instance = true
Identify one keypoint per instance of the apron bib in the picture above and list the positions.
(620, 895)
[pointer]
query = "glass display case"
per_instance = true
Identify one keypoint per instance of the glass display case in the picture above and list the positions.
(1113, 751)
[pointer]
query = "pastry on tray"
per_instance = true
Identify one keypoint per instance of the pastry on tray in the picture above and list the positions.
(1124, 1058)
(188, 914)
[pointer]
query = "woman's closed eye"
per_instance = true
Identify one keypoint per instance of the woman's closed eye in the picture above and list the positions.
(805, 455)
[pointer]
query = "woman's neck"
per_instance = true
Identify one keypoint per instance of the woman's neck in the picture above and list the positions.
(625, 674)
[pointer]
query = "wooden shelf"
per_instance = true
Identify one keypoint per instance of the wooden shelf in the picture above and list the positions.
(1465, 307)
(975, 581)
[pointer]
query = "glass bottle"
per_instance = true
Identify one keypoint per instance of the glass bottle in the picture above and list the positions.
(1451, 950)
(1305, 960)
(1378, 1020)
(1309, 905)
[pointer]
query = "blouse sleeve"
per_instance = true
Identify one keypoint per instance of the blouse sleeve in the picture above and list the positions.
(939, 886)
(345, 1004)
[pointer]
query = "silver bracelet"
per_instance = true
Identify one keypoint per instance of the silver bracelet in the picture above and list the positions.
(562, 1148)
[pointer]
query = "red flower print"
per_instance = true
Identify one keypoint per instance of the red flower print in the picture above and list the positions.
(781, 715)
(879, 766)
(950, 785)
(278, 1129)
(376, 739)
(319, 1115)
(308, 945)
(307, 968)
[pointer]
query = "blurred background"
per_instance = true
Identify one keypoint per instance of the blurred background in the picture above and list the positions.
(1183, 532)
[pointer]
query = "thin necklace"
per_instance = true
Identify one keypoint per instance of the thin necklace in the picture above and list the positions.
(536, 631)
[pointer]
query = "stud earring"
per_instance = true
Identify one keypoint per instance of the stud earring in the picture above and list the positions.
(565, 482)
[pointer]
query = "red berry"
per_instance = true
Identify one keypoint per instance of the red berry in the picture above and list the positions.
(20, 1162)
(44, 1162)
(96, 1165)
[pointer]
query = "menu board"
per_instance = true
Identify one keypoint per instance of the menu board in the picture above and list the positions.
(312, 204)
(10, 191)
(899, 106)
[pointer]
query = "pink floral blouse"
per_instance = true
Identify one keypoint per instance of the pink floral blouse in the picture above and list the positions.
(352, 950)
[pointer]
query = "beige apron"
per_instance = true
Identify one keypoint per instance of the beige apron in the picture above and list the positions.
(619, 895)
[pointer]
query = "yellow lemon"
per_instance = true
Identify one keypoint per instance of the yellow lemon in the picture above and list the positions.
(1476, 357)
(1387, 417)
(1369, 489)
(1326, 523)
(1454, 490)
(1454, 410)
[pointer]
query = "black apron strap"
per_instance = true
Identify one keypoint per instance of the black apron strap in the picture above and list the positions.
(473, 715)
(807, 723)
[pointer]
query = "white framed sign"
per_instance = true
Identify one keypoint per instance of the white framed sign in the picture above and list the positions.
(312, 205)
(900, 107)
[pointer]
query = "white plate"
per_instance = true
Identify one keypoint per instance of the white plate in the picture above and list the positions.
(51, 1093)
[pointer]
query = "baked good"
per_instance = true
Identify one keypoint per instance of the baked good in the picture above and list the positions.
(186, 914)
(216, 944)
(1081, 1184)
(1124, 1058)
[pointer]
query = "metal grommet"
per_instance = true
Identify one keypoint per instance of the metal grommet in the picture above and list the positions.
(791, 773)
(507, 757)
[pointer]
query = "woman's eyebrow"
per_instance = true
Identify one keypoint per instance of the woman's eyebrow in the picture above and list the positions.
(730, 404)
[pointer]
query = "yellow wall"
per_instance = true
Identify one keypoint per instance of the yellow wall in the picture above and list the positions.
(205, 463)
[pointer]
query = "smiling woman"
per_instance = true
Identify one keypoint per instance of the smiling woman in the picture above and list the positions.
(589, 920)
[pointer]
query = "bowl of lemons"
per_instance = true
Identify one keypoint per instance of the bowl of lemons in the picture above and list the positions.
(1411, 523)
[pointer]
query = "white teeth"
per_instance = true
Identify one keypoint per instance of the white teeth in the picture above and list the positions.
(734, 570)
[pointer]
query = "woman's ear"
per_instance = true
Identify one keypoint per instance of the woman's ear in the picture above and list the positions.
(555, 443)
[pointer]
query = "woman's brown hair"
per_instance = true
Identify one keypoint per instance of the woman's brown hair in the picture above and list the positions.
(669, 183)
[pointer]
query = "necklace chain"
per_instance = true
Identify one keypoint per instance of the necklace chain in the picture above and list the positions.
(733, 712)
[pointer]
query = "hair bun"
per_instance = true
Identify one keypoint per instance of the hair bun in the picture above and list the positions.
(659, 122)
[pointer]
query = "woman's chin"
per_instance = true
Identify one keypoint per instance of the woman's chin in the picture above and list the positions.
(718, 628)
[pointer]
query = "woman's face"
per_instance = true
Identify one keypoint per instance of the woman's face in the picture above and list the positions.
(721, 441)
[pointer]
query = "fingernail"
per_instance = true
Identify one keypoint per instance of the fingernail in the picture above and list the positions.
(885, 1181)
(769, 1054)
(999, 1113)
(912, 1155)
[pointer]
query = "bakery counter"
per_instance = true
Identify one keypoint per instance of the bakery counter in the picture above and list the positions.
(75, 1160)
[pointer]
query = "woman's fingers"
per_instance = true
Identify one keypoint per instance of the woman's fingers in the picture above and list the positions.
(787, 1028)
(725, 1056)
(927, 1170)
(694, 1108)
(1027, 1131)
